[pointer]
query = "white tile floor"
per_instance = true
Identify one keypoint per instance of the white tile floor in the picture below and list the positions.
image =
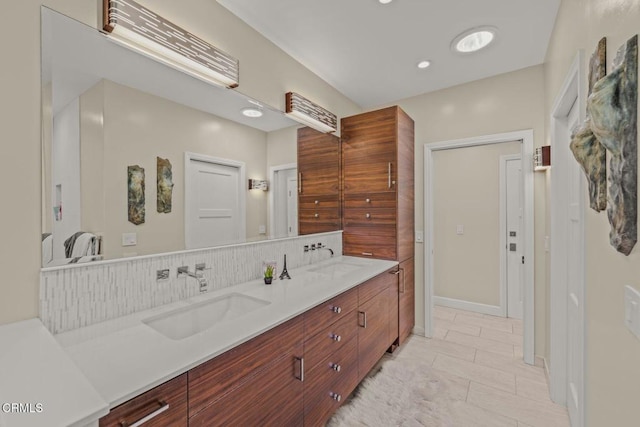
(483, 355)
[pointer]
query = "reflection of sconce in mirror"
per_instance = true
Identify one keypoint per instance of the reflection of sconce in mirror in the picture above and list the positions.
(257, 184)
(137, 28)
(306, 112)
(542, 158)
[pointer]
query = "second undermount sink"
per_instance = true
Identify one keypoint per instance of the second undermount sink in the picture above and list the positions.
(187, 321)
(338, 268)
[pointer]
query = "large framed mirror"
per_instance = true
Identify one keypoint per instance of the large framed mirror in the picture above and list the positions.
(106, 109)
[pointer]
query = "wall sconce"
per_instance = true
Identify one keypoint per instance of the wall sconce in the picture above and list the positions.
(131, 25)
(306, 112)
(257, 184)
(542, 158)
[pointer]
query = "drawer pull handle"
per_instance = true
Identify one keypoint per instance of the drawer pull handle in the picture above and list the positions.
(336, 367)
(316, 215)
(317, 202)
(404, 286)
(335, 396)
(389, 175)
(367, 253)
(367, 200)
(336, 337)
(163, 407)
(300, 360)
(364, 317)
(368, 215)
(336, 309)
(299, 182)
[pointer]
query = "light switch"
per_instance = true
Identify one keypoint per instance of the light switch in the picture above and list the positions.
(262, 229)
(129, 239)
(419, 236)
(460, 229)
(632, 310)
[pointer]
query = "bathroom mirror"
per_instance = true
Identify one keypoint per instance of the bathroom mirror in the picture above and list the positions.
(107, 108)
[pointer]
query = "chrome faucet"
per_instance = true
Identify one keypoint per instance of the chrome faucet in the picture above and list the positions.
(198, 275)
(321, 246)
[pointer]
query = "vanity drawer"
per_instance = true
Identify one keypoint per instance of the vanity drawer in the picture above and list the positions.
(326, 388)
(358, 242)
(319, 318)
(374, 286)
(168, 401)
(370, 200)
(333, 338)
(315, 202)
(320, 215)
(370, 217)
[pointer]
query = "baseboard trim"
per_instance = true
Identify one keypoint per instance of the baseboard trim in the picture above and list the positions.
(493, 310)
(418, 331)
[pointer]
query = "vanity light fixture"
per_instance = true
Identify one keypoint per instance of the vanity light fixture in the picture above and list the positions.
(129, 24)
(385, 1)
(474, 39)
(254, 113)
(258, 184)
(306, 112)
(424, 64)
(542, 158)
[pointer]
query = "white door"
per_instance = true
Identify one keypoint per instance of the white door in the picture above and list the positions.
(514, 223)
(575, 297)
(213, 208)
(292, 205)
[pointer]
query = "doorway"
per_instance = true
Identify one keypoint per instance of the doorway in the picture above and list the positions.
(526, 138)
(283, 201)
(214, 201)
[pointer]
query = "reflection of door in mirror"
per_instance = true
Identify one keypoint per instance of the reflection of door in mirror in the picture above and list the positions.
(283, 210)
(318, 181)
(214, 206)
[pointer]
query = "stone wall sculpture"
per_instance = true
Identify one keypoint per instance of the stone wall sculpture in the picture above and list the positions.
(164, 185)
(613, 110)
(136, 194)
(586, 148)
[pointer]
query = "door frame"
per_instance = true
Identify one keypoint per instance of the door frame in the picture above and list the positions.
(271, 201)
(571, 92)
(242, 177)
(504, 303)
(526, 136)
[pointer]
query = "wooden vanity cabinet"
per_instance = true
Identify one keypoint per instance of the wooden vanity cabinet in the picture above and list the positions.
(318, 182)
(378, 197)
(162, 406)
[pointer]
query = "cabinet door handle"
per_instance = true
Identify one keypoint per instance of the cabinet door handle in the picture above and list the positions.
(364, 319)
(368, 215)
(336, 337)
(389, 175)
(336, 367)
(300, 182)
(335, 396)
(367, 200)
(163, 407)
(317, 202)
(367, 254)
(336, 309)
(316, 215)
(404, 286)
(300, 361)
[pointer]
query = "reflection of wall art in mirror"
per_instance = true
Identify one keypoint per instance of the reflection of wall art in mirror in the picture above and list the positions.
(586, 148)
(136, 194)
(165, 185)
(613, 110)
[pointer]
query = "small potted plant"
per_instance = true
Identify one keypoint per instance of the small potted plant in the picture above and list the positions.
(268, 274)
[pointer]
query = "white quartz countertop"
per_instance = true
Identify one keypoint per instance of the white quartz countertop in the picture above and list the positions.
(124, 357)
(39, 384)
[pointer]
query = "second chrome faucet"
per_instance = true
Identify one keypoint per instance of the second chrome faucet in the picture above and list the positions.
(198, 275)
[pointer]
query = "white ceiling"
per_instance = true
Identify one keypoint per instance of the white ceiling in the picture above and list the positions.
(369, 51)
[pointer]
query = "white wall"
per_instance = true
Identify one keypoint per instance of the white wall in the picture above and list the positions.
(267, 73)
(508, 102)
(612, 352)
(467, 192)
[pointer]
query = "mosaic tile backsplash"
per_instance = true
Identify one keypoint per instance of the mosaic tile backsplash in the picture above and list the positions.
(74, 297)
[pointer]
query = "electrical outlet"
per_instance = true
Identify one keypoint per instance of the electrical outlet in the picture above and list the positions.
(632, 310)
(129, 239)
(262, 229)
(460, 229)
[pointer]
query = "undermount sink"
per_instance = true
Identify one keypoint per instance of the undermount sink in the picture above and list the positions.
(338, 268)
(187, 321)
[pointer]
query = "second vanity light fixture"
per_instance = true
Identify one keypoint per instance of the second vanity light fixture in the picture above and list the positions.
(306, 112)
(137, 28)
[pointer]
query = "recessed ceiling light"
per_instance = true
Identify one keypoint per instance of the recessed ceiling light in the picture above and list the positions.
(385, 1)
(252, 112)
(424, 64)
(474, 39)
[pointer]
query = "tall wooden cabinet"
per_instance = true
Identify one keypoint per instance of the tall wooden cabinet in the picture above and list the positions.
(318, 182)
(378, 197)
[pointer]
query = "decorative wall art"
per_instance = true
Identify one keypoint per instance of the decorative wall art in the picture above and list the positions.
(165, 185)
(586, 148)
(136, 194)
(613, 110)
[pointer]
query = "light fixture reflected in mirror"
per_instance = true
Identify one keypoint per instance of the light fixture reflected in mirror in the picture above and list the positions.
(474, 39)
(258, 184)
(254, 113)
(128, 23)
(310, 114)
(542, 158)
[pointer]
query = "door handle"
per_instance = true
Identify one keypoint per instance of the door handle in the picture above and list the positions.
(364, 322)
(300, 361)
